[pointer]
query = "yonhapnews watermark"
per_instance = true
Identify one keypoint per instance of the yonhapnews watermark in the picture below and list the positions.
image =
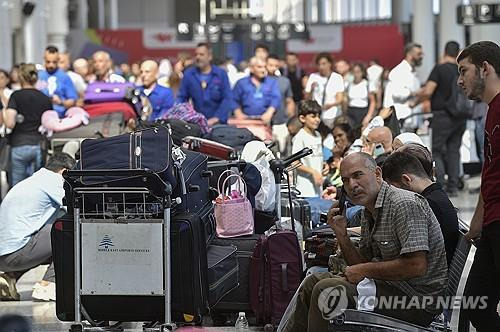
(333, 301)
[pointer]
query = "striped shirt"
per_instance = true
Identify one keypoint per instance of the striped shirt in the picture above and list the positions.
(402, 223)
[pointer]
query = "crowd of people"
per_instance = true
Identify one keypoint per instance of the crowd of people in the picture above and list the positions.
(347, 113)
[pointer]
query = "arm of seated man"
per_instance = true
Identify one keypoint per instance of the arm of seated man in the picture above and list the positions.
(405, 267)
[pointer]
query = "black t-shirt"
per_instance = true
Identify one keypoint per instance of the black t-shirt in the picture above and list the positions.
(295, 78)
(444, 75)
(446, 215)
(30, 105)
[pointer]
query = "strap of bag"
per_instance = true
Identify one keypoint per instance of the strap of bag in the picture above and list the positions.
(324, 90)
(240, 179)
(220, 177)
(292, 220)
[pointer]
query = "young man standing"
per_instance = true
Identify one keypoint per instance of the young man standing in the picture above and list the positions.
(479, 70)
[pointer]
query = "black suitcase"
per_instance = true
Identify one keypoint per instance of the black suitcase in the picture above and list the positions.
(195, 193)
(301, 209)
(238, 299)
(189, 278)
(143, 149)
(222, 272)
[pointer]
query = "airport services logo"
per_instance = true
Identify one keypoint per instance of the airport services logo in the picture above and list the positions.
(106, 242)
(107, 245)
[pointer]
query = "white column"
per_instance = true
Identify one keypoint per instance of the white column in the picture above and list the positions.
(490, 31)
(269, 13)
(35, 33)
(101, 14)
(113, 14)
(6, 34)
(297, 10)
(58, 29)
(447, 24)
(401, 10)
(355, 10)
(83, 11)
(423, 34)
(370, 9)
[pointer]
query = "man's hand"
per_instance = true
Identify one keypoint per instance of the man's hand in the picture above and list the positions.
(212, 121)
(56, 100)
(474, 231)
(337, 222)
(267, 116)
(365, 122)
(329, 193)
(239, 115)
(354, 273)
(318, 178)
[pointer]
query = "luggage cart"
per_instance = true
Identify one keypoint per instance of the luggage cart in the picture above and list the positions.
(122, 235)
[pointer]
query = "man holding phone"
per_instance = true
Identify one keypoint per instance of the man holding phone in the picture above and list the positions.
(401, 252)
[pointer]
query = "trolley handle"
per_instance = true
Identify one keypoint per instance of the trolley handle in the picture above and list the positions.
(69, 174)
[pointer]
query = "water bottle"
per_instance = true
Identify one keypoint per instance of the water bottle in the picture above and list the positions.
(241, 322)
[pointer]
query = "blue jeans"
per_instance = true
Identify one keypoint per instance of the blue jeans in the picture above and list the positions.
(24, 160)
(318, 205)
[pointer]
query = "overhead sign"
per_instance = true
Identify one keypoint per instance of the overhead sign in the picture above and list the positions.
(478, 14)
(227, 32)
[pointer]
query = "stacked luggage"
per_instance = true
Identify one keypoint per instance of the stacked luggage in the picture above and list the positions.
(165, 191)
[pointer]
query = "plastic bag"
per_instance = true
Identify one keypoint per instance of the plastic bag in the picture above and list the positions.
(265, 200)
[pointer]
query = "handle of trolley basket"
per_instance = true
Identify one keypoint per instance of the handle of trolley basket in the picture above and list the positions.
(279, 165)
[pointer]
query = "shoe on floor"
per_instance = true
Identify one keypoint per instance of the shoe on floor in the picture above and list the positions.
(44, 293)
(8, 291)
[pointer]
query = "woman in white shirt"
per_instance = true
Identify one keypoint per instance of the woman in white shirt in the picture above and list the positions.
(360, 100)
(327, 88)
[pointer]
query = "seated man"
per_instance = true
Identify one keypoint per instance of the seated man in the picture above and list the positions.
(378, 141)
(401, 254)
(26, 216)
(257, 95)
(103, 68)
(403, 170)
(160, 97)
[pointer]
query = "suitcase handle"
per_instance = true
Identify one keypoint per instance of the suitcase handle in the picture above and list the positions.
(284, 277)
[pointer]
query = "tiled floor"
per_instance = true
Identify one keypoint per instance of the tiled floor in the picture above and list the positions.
(42, 315)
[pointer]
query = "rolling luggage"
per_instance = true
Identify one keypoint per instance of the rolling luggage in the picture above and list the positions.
(222, 272)
(189, 278)
(257, 127)
(149, 149)
(95, 110)
(301, 208)
(212, 149)
(238, 299)
(180, 129)
(102, 92)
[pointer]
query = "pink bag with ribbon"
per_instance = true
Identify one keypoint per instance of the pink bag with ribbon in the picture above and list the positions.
(233, 211)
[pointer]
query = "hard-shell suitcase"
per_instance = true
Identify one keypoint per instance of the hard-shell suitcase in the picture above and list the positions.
(301, 209)
(212, 149)
(149, 149)
(100, 92)
(222, 272)
(189, 278)
(95, 110)
(238, 299)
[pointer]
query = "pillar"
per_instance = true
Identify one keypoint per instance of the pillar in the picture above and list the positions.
(447, 24)
(423, 33)
(58, 29)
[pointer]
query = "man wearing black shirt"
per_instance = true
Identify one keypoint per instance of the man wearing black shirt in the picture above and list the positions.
(447, 130)
(295, 74)
(405, 171)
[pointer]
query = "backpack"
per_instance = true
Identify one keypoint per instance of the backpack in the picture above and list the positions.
(458, 105)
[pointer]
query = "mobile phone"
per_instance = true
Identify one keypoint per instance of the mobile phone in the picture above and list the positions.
(342, 200)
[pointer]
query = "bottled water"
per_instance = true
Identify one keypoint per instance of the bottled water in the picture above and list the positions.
(241, 322)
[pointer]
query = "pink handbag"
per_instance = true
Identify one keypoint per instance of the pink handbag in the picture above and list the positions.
(233, 213)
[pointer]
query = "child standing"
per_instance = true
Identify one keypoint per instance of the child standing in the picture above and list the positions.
(309, 177)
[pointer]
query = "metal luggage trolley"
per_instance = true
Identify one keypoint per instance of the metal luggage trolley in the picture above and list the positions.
(122, 236)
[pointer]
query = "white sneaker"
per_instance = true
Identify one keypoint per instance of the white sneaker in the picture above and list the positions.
(8, 291)
(44, 293)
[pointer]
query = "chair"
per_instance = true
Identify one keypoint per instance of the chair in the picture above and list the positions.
(355, 320)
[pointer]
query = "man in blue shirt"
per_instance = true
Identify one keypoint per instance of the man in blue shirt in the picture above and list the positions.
(26, 217)
(55, 83)
(207, 86)
(160, 97)
(256, 95)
